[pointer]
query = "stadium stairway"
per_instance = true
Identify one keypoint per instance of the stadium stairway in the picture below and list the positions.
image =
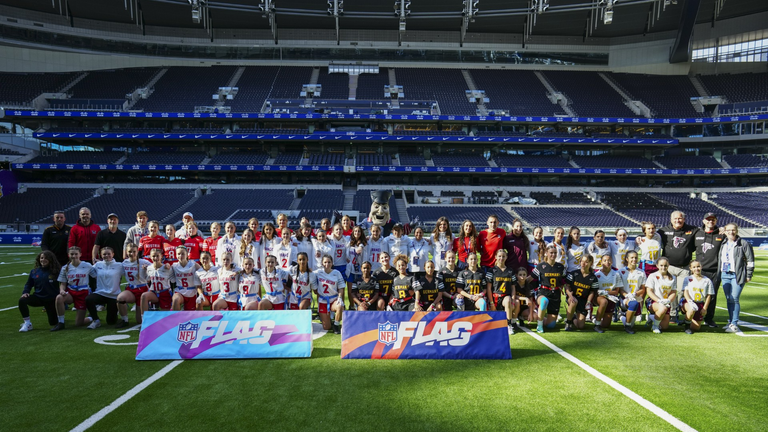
(659, 165)
(402, 211)
(176, 216)
(294, 204)
(74, 206)
(349, 197)
(699, 86)
(72, 83)
(725, 164)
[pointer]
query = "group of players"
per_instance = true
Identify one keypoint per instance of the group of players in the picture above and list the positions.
(270, 267)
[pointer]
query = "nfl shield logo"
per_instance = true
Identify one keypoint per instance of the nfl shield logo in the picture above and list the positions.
(187, 332)
(387, 333)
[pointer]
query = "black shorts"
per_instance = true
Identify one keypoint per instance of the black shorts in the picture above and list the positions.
(498, 300)
(404, 306)
(554, 300)
(448, 304)
(581, 306)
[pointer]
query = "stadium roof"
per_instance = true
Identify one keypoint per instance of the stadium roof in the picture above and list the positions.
(564, 17)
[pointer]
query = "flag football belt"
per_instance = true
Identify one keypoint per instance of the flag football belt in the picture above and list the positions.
(327, 299)
(78, 287)
(137, 286)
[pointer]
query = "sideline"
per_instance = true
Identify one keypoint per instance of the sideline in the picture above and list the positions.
(124, 398)
(669, 418)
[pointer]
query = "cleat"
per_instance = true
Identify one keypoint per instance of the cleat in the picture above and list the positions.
(540, 328)
(656, 330)
(599, 329)
(121, 324)
(688, 331)
(25, 327)
(710, 324)
(94, 325)
(510, 329)
(569, 327)
(100, 308)
(629, 330)
(57, 327)
(336, 329)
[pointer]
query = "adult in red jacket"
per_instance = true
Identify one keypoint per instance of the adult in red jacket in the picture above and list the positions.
(83, 234)
(489, 241)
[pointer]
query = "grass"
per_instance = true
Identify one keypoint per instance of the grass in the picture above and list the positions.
(711, 381)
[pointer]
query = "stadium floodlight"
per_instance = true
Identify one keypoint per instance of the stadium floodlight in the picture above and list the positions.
(197, 10)
(402, 10)
(539, 6)
(336, 8)
(607, 10)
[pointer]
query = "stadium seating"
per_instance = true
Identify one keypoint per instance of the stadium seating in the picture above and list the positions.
(373, 159)
(459, 160)
(745, 87)
(666, 95)
(566, 198)
(241, 158)
(22, 88)
(633, 200)
(159, 203)
(751, 205)
(335, 85)
(25, 206)
(590, 95)
(273, 131)
(371, 86)
(694, 208)
(327, 159)
(112, 84)
(80, 157)
(500, 133)
(288, 158)
(219, 204)
(412, 159)
(683, 162)
(518, 92)
(324, 199)
(567, 216)
(429, 214)
(429, 132)
(161, 158)
(253, 86)
(746, 160)
(183, 88)
(613, 162)
(447, 86)
(526, 161)
(289, 80)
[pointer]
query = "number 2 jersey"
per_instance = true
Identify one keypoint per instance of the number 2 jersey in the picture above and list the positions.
(329, 285)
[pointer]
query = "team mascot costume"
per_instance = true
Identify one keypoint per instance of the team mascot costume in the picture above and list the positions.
(379, 214)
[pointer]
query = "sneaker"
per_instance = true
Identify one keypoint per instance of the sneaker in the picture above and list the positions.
(336, 329)
(540, 328)
(569, 327)
(710, 324)
(599, 329)
(725, 327)
(732, 328)
(656, 329)
(100, 308)
(57, 327)
(94, 325)
(688, 331)
(133, 309)
(121, 324)
(629, 330)
(25, 327)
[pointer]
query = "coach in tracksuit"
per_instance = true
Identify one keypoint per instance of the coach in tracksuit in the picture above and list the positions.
(708, 241)
(677, 240)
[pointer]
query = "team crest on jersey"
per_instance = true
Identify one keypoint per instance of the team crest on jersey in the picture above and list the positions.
(705, 247)
(187, 332)
(387, 333)
(678, 241)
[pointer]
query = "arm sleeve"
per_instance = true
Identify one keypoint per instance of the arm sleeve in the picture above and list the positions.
(749, 255)
(73, 238)
(29, 285)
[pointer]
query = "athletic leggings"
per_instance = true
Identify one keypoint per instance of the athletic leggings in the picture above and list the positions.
(35, 301)
(97, 299)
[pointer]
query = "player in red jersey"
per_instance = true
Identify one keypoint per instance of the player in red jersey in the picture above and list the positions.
(194, 243)
(151, 241)
(282, 224)
(489, 241)
(171, 243)
(465, 243)
(211, 243)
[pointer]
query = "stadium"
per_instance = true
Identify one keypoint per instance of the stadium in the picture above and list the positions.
(607, 115)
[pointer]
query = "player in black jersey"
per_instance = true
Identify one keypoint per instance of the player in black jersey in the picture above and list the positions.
(384, 275)
(551, 277)
(525, 301)
(365, 290)
(501, 282)
(471, 286)
(403, 287)
(447, 276)
(429, 295)
(581, 286)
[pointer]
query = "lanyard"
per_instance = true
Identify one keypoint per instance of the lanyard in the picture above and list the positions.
(467, 249)
(418, 251)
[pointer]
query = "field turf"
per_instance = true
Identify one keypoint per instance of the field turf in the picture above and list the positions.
(710, 381)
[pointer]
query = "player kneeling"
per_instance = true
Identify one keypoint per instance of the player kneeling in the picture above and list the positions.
(525, 302)
(429, 295)
(160, 276)
(208, 275)
(187, 283)
(551, 277)
(365, 291)
(580, 290)
(304, 282)
(633, 290)
(695, 289)
(611, 285)
(330, 294)
(662, 286)
(501, 282)
(403, 287)
(135, 270)
(73, 288)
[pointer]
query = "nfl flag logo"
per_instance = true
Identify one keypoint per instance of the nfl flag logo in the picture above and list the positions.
(387, 333)
(187, 332)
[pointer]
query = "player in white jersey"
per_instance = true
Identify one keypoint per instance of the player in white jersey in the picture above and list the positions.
(574, 250)
(73, 288)
(322, 246)
(421, 249)
(247, 248)
(228, 242)
(607, 294)
(276, 283)
(303, 283)
(249, 286)
(398, 244)
(599, 248)
(135, 271)
(558, 244)
(285, 251)
(633, 290)
(160, 277)
(376, 245)
(303, 242)
(649, 247)
(267, 243)
(208, 275)
(229, 281)
(330, 294)
(536, 248)
(697, 292)
(621, 246)
(442, 242)
(187, 283)
(662, 291)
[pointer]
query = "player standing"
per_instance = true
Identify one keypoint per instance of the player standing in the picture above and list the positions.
(420, 251)
(228, 243)
(465, 244)
(489, 241)
(152, 240)
(211, 243)
(599, 248)
(248, 248)
(303, 283)
(375, 246)
(574, 249)
(322, 246)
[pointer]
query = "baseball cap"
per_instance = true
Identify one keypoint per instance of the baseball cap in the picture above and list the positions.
(187, 214)
(710, 215)
(112, 215)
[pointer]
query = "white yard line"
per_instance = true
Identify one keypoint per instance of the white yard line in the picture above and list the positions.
(669, 418)
(745, 313)
(16, 275)
(15, 307)
(124, 398)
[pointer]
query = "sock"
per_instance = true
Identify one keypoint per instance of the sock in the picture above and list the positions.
(336, 322)
(632, 324)
(552, 324)
(655, 320)
(61, 319)
(540, 323)
(624, 320)
(652, 317)
(509, 322)
(124, 317)
(27, 320)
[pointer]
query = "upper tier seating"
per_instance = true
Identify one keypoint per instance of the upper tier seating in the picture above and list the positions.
(567, 216)
(666, 95)
(446, 86)
(335, 85)
(219, 204)
(183, 88)
(325, 199)
(240, 158)
(253, 87)
(371, 86)
(526, 161)
(517, 91)
(590, 95)
(21, 88)
(159, 203)
(373, 159)
(289, 80)
(16, 206)
(613, 162)
(745, 87)
(459, 160)
(112, 84)
(158, 158)
(746, 160)
(683, 162)
(79, 157)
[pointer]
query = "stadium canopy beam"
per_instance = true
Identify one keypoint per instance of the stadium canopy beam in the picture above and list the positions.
(681, 49)
(268, 10)
(402, 10)
(467, 16)
(336, 9)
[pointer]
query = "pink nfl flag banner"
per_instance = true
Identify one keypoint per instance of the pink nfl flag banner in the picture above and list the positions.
(225, 335)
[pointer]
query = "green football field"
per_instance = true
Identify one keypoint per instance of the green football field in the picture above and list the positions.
(709, 381)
